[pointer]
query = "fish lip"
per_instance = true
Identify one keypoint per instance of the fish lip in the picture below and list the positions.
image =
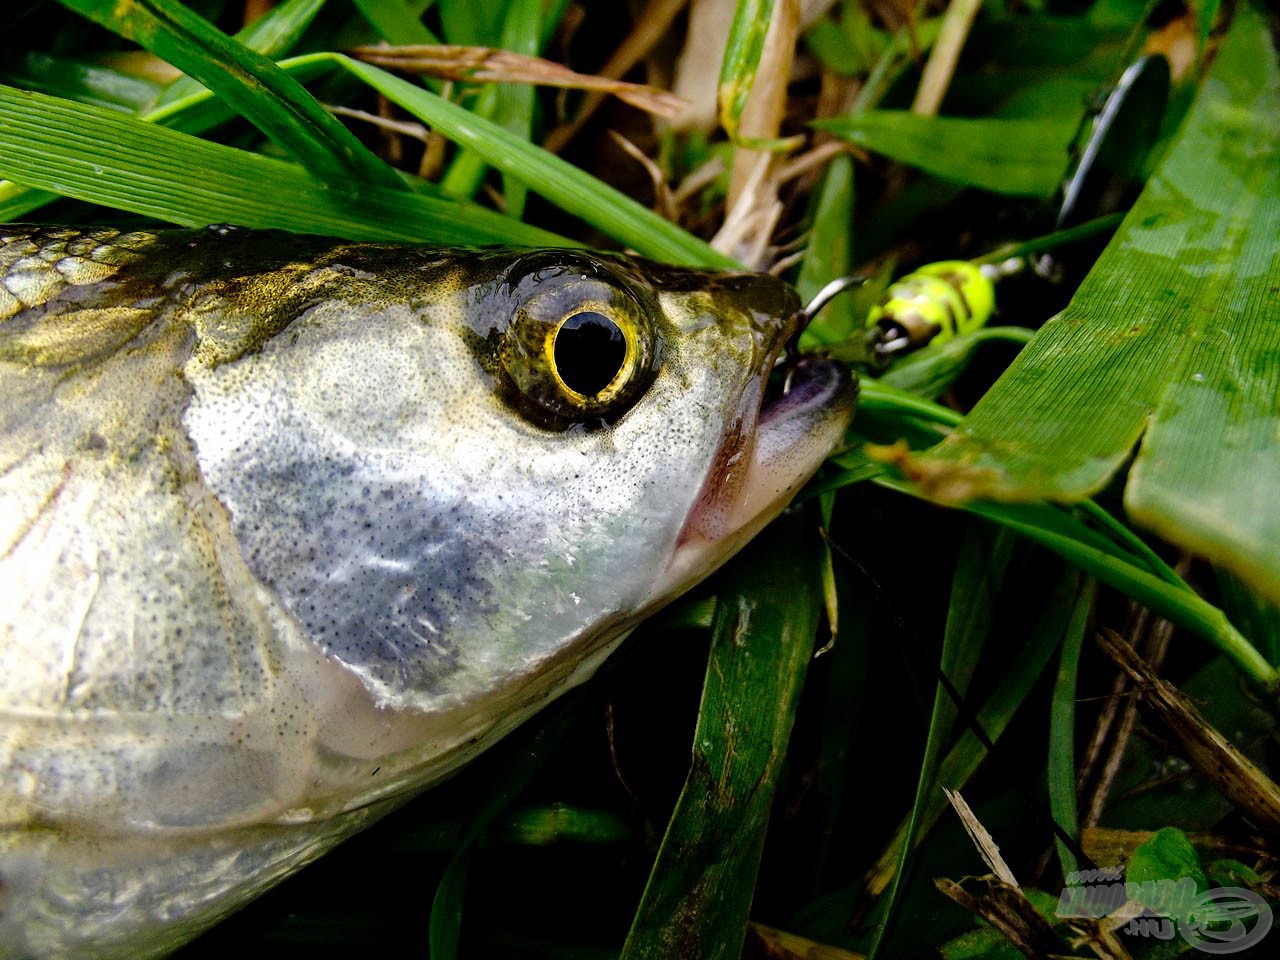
(811, 381)
(781, 442)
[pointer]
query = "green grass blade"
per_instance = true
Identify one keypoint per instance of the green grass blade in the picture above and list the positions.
(559, 181)
(471, 23)
(87, 82)
(195, 113)
(509, 105)
(1121, 560)
(1061, 769)
(829, 254)
(102, 156)
(522, 34)
(395, 23)
(979, 572)
(1257, 617)
(848, 46)
(1054, 240)
(272, 35)
(562, 183)
(1171, 334)
(931, 371)
(467, 170)
(1019, 157)
(1069, 602)
(1177, 603)
(16, 201)
(741, 60)
(980, 569)
(845, 716)
(879, 399)
(445, 930)
(546, 825)
(884, 397)
(201, 110)
(275, 32)
(253, 85)
(699, 892)
(969, 751)
(543, 825)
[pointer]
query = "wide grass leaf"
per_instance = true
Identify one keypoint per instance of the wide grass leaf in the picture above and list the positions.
(699, 893)
(248, 81)
(102, 156)
(1173, 332)
(1014, 156)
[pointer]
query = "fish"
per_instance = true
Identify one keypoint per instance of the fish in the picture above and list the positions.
(295, 527)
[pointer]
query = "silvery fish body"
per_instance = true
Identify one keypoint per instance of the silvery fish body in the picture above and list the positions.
(291, 528)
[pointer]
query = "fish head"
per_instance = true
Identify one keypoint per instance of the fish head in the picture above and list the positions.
(464, 475)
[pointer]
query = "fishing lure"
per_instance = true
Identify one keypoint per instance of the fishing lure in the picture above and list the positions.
(933, 304)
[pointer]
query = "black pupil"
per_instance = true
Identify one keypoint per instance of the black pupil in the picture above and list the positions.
(589, 352)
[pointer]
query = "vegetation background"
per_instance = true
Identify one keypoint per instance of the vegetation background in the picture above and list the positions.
(926, 617)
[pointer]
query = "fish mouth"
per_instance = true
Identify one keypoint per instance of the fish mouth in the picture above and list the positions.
(786, 428)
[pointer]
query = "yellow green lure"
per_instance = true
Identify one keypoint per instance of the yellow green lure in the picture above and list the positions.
(932, 305)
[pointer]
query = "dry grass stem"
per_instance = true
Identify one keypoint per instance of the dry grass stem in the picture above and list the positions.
(767, 103)
(811, 159)
(1206, 749)
(1105, 752)
(699, 179)
(490, 65)
(946, 54)
(663, 200)
(777, 944)
(697, 74)
(750, 222)
(1007, 909)
(651, 26)
(981, 837)
(403, 127)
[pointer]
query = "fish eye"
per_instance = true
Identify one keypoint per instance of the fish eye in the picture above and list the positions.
(588, 353)
(581, 344)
